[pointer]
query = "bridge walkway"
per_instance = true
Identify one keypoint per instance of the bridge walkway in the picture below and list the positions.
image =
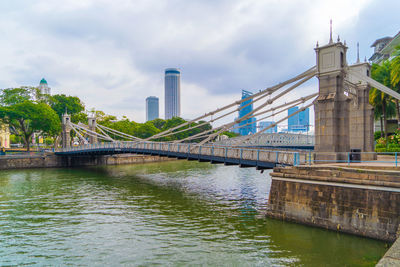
(260, 158)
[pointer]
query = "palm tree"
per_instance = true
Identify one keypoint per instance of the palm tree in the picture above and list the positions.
(383, 104)
(395, 69)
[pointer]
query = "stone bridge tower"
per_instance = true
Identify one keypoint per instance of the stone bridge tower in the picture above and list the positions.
(361, 130)
(66, 130)
(332, 105)
(343, 115)
(92, 127)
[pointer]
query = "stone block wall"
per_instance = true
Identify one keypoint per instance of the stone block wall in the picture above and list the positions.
(53, 161)
(350, 202)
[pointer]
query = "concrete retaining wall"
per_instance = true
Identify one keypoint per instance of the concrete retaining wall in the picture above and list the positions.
(361, 202)
(52, 161)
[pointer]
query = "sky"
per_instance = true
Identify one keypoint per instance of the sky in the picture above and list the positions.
(112, 54)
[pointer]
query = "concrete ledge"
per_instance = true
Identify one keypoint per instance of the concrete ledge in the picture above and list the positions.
(392, 256)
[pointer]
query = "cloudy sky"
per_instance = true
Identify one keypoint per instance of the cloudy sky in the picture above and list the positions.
(112, 54)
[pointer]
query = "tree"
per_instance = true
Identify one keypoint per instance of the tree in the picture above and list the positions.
(384, 106)
(28, 117)
(72, 104)
(12, 96)
(158, 123)
(395, 70)
(145, 130)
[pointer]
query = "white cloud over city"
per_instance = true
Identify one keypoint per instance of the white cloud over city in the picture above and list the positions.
(112, 54)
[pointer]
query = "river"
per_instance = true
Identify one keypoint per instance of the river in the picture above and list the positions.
(170, 213)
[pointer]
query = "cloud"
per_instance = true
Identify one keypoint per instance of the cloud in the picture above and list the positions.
(113, 54)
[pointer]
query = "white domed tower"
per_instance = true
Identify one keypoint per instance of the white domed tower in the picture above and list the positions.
(44, 87)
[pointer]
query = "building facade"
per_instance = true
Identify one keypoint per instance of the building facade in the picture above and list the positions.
(265, 124)
(299, 122)
(152, 108)
(251, 128)
(44, 87)
(384, 47)
(172, 93)
(4, 136)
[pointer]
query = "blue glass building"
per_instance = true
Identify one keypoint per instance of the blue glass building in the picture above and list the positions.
(152, 108)
(252, 127)
(264, 124)
(172, 93)
(299, 122)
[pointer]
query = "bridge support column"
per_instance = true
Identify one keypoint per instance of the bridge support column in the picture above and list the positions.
(92, 127)
(361, 115)
(66, 130)
(332, 140)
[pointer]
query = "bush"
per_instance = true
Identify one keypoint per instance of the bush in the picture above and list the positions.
(377, 135)
(392, 147)
(380, 148)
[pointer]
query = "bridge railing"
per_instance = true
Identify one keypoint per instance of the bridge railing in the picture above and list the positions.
(244, 153)
(221, 151)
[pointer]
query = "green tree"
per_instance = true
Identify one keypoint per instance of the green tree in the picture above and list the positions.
(12, 96)
(158, 123)
(395, 70)
(72, 104)
(145, 130)
(28, 117)
(384, 106)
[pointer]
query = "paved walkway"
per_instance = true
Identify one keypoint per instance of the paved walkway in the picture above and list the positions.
(382, 161)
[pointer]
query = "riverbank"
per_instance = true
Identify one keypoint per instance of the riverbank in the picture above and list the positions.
(49, 160)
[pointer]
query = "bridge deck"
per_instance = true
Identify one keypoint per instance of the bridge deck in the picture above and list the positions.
(245, 157)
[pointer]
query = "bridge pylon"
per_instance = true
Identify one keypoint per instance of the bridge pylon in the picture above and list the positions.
(66, 130)
(343, 118)
(361, 129)
(92, 127)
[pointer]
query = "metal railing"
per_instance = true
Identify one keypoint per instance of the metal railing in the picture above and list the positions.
(285, 157)
(220, 151)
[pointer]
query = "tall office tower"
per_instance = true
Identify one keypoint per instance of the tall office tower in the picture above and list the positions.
(151, 108)
(299, 122)
(172, 93)
(251, 128)
(265, 124)
(44, 87)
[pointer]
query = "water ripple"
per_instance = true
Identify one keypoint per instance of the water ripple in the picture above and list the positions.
(174, 213)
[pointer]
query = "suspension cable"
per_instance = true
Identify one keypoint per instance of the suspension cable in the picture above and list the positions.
(269, 90)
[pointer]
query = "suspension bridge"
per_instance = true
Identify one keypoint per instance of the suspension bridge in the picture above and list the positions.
(343, 122)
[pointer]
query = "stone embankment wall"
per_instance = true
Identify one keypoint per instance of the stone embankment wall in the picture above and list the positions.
(392, 256)
(358, 201)
(53, 161)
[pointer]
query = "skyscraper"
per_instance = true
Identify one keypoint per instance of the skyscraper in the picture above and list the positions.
(172, 93)
(151, 108)
(252, 127)
(264, 124)
(299, 122)
(44, 87)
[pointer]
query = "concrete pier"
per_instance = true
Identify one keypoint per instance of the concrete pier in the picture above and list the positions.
(359, 201)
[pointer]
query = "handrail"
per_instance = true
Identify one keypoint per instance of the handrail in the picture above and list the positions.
(294, 158)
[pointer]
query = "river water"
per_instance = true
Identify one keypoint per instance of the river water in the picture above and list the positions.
(171, 213)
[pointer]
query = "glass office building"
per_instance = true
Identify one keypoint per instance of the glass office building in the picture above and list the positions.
(299, 122)
(252, 127)
(152, 108)
(172, 93)
(265, 124)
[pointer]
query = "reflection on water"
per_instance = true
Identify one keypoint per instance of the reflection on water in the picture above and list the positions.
(178, 213)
